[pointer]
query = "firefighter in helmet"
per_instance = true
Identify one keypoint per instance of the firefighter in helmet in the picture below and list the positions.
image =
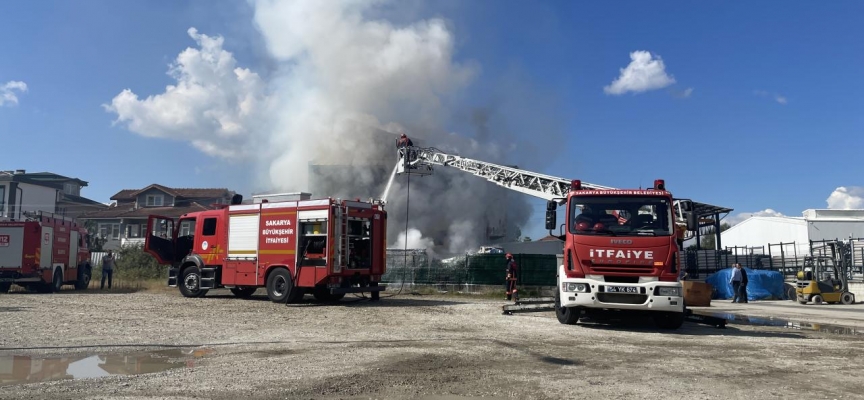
(404, 141)
(402, 144)
(512, 271)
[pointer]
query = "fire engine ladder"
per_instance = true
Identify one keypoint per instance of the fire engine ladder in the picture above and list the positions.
(420, 161)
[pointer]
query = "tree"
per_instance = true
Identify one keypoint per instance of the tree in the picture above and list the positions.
(94, 242)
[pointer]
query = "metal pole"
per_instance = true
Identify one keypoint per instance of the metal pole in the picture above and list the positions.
(770, 258)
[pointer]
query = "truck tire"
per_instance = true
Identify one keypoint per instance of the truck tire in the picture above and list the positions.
(816, 299)
(4, 287)
(57, 282)
(244, 292)
(84, 275)
(280, 285)
(566, 315)
(669, 320)
(190, 283)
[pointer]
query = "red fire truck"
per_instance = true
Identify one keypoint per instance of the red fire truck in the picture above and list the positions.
(43, 252)
(620, 248)
(327, 247)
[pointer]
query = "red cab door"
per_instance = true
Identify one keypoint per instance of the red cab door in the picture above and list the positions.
(159, 241)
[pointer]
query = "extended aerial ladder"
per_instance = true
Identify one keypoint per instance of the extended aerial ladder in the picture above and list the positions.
(420, 161)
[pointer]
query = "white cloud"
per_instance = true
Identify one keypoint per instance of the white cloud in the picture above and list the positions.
(645, 72)
(846, 198)
(7, 92)
(776, 96)
(682, 94)
(215, 105)
(742, 216)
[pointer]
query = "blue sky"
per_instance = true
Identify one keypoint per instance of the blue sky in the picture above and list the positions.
(773, 119)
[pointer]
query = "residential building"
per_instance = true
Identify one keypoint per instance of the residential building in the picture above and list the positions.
(125, 222)
(22, 192)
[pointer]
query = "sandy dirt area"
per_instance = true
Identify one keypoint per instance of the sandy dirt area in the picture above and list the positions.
(408, 346)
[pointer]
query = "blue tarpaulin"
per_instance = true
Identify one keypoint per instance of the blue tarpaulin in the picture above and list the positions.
(761, 284)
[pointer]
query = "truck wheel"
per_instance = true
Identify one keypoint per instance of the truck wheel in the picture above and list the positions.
(816, 299)
(4, 287)
(846, 298)
(84, 275)
(190, 283)
(57, 282)
(244, 292)
(669, 320)
(279, 285)
(566, 315)
(322, 295)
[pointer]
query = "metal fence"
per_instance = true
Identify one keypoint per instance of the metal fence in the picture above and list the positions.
(417, 267)
(786, 258)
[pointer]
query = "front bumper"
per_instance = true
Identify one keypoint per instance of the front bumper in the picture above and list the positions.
(645, 298)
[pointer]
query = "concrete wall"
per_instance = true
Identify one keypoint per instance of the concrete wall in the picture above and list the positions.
(37, 198)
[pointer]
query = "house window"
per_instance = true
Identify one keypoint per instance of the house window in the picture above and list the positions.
(71, 188)
(155, 200)
(2, 200)
(109, 231)
(209, 228)
(133, 231)
(187, 227)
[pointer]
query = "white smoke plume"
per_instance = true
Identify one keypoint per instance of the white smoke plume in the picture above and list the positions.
(326, 119)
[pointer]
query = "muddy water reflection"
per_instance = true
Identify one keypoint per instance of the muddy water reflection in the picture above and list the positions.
(29, 369)
(786, 323)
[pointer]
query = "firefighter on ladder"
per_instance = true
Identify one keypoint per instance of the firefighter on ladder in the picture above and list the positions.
(512, 276)
(402, 144)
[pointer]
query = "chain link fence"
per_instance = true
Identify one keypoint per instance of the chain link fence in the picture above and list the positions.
(417, 267)
(786, 258)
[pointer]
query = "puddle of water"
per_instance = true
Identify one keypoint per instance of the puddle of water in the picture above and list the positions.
(26, 369)
(785, 323)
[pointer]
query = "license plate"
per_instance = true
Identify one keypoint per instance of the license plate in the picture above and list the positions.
(622, 289)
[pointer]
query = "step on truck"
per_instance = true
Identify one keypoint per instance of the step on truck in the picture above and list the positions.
(325, 247)
(43, 252)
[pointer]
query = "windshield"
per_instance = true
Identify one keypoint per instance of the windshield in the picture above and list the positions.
(620, 216)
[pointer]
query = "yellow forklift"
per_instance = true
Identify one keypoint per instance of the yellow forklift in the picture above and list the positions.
(825, 279)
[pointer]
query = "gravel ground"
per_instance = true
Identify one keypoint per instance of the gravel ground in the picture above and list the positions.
(409, 346)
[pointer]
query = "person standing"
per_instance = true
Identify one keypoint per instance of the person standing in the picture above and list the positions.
(736, 282)
(742, 298)
(107, 269)
(512, 275)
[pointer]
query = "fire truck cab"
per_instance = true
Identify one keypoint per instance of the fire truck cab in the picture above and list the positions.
(326, 247)
(43, 252)
(621, 255)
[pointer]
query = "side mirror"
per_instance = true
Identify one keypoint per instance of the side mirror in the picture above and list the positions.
(692, 222)
(551, 215)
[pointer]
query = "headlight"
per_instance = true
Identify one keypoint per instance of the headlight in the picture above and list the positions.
(576, 287)
(668, 291)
